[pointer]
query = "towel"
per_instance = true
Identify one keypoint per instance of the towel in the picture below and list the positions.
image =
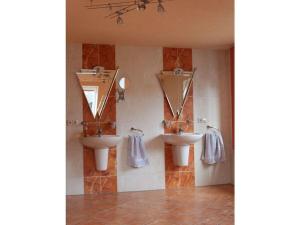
(213, 151)
(136, 154)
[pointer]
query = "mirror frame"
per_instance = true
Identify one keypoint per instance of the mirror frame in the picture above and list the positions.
(187, 92)
(109, 90)
(100, 112)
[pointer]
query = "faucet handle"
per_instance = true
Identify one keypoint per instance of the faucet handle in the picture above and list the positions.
(99, 131)
(180, 130)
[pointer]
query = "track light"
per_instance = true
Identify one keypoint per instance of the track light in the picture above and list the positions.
(119, 20)
(118, 9)
(160, 7)
(141, 7)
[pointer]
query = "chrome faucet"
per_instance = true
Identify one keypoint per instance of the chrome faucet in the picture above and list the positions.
(99, 131)
(180, 131)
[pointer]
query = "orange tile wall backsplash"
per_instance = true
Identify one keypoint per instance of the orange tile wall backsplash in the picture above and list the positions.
(96, 181)
(179, 176)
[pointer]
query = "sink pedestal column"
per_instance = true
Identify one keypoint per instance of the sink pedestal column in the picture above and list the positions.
(181, 155)
(101, 156)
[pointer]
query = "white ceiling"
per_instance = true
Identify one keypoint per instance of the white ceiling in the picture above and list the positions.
(186, 23)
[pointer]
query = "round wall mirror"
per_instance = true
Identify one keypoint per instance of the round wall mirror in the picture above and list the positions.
(124, 83)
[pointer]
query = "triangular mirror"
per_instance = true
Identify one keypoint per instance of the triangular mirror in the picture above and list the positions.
(176, 85)
(96, 85)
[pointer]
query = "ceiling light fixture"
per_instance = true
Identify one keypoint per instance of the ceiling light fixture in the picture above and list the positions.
(120, 20)
(141, 7)
(124, 7)
(160, 7)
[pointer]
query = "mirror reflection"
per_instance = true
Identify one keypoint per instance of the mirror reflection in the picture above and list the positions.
(123, 83)
(176, 87)
(96, 85)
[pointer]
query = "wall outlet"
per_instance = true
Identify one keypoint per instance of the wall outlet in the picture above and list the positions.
(72, 122)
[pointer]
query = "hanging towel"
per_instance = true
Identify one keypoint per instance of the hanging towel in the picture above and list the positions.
(136, 154)
(213, 151)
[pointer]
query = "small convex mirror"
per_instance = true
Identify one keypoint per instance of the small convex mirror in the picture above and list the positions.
(123, 85)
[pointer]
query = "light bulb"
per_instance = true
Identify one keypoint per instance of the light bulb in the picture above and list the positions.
(120, 20)
(160, 8)
(141, 7)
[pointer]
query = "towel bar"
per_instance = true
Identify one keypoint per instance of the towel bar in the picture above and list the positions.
(134, 129)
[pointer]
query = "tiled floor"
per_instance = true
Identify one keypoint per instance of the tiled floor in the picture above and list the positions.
(211, 205)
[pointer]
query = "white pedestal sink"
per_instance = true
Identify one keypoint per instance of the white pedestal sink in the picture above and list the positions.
(181, 146)
(101, 145)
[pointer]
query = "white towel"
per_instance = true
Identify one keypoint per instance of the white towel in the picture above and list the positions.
(136, 154)
(213, 151)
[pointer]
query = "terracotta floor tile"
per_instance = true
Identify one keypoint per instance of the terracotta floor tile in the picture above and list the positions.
(212, 205)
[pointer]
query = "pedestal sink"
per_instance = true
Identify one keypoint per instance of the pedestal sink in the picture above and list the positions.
(181, 146)
(101, 145)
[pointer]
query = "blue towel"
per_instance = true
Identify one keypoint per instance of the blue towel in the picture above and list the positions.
(136, 154)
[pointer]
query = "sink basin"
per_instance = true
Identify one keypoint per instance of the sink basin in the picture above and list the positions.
(182, 139)
(101, 145)
(103, 141)
(181, 146)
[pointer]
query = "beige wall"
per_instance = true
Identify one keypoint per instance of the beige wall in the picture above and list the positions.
(74, 155)
(212, 100)
(143, 108)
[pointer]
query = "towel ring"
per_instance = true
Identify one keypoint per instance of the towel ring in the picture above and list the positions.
(139, 130)
(208, 126)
